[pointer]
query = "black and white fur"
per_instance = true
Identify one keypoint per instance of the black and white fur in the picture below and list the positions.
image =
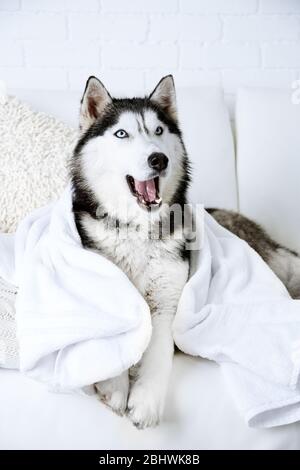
(106, 169)
(115, 220)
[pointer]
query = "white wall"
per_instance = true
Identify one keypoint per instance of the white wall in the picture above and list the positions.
(130, 44)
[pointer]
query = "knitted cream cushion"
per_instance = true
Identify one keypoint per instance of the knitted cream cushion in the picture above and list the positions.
(34, 150)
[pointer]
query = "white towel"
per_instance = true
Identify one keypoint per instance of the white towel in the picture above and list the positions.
(235, 311)
(80, 320)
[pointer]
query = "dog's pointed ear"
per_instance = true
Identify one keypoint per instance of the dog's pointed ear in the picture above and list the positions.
(94, 100)
(164, 95)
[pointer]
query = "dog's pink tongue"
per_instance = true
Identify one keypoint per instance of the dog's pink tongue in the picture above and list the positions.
(146, 189)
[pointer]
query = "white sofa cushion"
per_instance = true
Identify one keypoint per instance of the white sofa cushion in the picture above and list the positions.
(207, 134)
(268, 161)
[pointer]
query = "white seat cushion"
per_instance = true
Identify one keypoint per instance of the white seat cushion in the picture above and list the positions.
(200, 414)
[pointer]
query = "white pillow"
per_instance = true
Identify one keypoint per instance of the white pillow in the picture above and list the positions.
(268, 156)
(34, 149)
(208, 137)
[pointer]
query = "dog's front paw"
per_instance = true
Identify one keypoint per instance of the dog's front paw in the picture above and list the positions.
(114, 392)
(145, 406)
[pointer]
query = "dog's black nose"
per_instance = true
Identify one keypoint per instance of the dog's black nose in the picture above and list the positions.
(158, 161)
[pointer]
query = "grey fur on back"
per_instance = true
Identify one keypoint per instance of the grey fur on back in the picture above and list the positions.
(283, 261)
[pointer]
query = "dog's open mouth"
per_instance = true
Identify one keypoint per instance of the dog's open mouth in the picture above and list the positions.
(146, 192)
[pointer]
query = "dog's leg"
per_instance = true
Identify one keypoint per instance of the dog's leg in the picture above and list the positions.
(114, 392)
(148, 392)
(147, 396)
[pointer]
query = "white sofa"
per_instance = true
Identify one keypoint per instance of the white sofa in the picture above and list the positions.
(200, 413)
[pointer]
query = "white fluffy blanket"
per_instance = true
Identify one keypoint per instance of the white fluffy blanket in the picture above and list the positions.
(80, 320)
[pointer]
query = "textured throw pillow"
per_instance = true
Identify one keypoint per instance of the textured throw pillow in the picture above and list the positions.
(34, 151)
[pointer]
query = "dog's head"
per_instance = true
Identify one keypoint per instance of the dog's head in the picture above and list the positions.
(130, 154)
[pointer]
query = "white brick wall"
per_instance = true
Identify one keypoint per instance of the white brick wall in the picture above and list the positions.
(130, 44)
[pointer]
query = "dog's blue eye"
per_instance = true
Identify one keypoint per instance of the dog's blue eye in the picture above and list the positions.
(121, 134)
(159, 130)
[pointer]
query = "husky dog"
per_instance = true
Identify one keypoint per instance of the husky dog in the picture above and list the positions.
(128, 168)
(284, 262)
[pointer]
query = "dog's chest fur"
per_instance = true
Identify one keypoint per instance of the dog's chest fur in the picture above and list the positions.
(145, 260)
